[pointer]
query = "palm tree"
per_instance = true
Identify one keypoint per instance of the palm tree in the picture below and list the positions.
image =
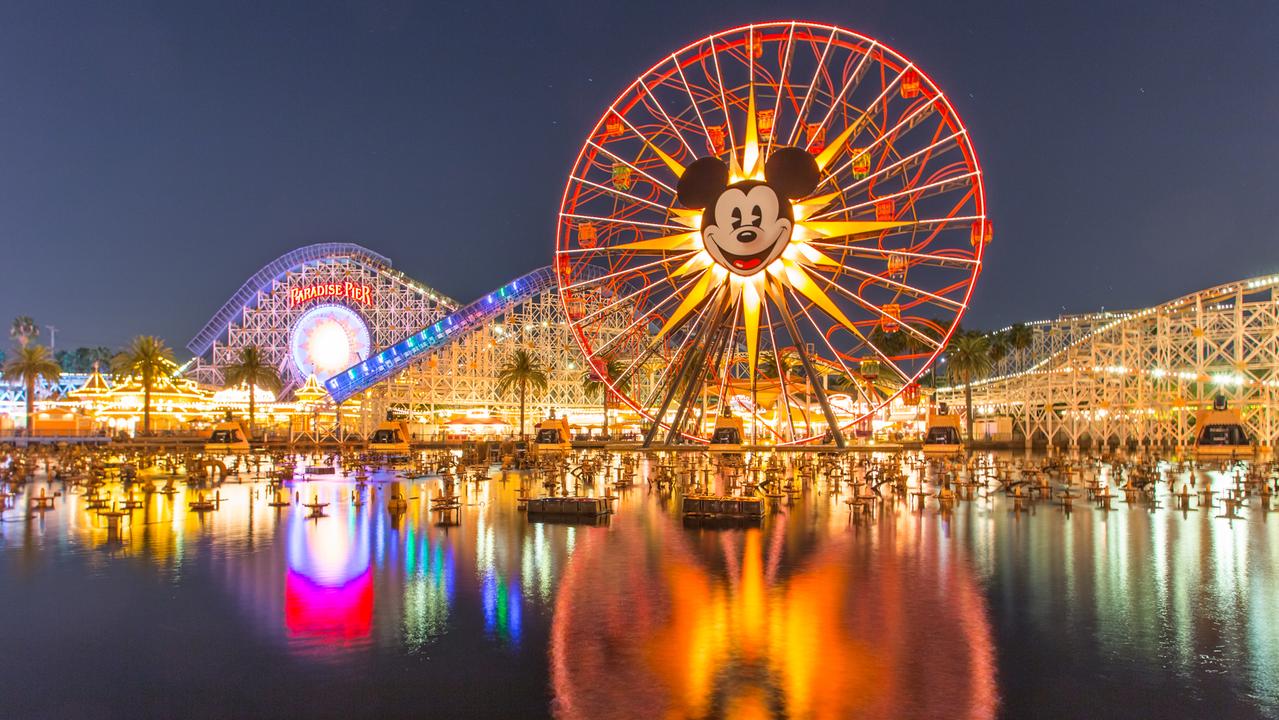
(768, 367)
(148, 358)
(520, 371)
(31, 362)
(968, 359)
(999, 346)
(251, 370)
(592, 383)
(1020, 337)
(23, 330)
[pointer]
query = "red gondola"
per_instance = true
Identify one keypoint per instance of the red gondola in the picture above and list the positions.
(910, 84)
(886, 210)
(816, 137)
(983, 232)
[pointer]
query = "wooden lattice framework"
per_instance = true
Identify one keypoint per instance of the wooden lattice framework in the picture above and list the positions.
(1139, 377)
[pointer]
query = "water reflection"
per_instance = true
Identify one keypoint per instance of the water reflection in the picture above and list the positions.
(973, 613)
(328, 588)
(651, 620)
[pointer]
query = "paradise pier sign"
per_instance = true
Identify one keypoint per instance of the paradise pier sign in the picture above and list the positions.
(357, 292)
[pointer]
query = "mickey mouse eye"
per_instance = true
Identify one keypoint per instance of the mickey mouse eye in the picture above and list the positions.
(757, 216)
(737, 217)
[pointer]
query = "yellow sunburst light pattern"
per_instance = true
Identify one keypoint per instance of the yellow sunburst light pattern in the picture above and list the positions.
(791, 270)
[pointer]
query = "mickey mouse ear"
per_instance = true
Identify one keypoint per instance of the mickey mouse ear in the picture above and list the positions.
(702, 182)
(792, 172)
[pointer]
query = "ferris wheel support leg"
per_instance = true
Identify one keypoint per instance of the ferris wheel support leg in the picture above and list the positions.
(695, 384)
(682, 376)
(676, 384)
(818, 390)
(666, 404)
(693, 381)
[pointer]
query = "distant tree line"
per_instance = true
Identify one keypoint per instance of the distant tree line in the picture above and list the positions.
(82, 359)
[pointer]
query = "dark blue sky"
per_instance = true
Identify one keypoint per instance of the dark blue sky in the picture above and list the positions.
(153, 155)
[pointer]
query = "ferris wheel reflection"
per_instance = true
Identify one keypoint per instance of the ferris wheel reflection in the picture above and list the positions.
(728, 633)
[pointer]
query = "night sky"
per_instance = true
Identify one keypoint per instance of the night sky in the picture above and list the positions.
(154, 155)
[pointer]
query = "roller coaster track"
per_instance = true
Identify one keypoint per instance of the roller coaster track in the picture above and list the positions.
(451, 328)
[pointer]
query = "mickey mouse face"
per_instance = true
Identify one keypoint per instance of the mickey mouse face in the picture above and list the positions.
(747, 225)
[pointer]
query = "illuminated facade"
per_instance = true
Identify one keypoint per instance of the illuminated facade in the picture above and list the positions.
(322, 309)
(315, 310)
(1139, 377)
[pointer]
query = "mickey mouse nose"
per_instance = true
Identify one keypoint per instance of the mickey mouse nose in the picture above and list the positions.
(746, 236)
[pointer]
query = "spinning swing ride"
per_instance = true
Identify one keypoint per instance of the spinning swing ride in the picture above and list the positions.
(792, 218)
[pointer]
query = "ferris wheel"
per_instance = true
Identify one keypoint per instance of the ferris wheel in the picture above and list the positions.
(782, 222)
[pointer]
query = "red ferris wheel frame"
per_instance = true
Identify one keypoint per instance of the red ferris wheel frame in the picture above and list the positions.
(679, 143)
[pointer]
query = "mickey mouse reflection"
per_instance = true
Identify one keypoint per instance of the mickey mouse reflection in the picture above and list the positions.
(748, 224)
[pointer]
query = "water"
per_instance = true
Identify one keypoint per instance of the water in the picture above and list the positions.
(250, 611)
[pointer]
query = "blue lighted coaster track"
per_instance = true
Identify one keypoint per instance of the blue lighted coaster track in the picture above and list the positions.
(476, 316)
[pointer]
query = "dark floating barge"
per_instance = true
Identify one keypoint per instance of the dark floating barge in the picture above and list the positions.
(568, 509)
(722, 509)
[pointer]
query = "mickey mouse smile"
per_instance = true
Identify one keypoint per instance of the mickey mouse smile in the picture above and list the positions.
(747, 225)
(751, 261)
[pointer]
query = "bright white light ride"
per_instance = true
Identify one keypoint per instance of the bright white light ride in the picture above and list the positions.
(868, 269)
(328, 339)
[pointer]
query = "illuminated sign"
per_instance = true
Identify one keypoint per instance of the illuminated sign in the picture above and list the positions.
(356, 292)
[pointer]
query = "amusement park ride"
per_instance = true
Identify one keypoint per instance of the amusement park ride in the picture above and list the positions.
(727, 436)
(778, 189)
(229, 437)
(942, 436)
(552, 436)
(1219, 432)
(390, 438)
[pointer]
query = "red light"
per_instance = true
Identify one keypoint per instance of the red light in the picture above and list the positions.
(910, 84)
(983, 232)
(885, 210)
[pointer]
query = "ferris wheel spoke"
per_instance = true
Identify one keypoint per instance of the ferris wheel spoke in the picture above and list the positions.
(814, 385)
(879, 354)
(730, 354)
(632, 166)
(600, 313)
(942, 261)
(679, 351)
(624, 221)
(876, 230)
(781, 371)
(781, 84)
(938, 187)
(837, 99)
(884, 135)
(644, 318)
(619, 193)
(808, 95)
(615, 274)
(834, 353)
(871, 110)
(724, 107)
(669, 123)
(875, 309)
(697, 110)
(917, 292)
(905, 164)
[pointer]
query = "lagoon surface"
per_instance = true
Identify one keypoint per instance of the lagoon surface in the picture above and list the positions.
(257, 611)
